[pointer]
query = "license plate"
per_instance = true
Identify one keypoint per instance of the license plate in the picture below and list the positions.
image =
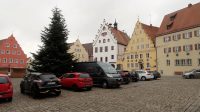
(50, 83)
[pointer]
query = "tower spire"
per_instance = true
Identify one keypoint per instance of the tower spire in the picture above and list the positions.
(115, 24)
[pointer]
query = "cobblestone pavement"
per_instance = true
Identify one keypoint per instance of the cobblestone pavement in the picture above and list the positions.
(170, 94)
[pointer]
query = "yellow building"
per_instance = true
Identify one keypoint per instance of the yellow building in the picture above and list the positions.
(178, 41)
(79, 51)
(140, 52)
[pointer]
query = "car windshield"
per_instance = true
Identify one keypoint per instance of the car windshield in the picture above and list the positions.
(84, 76)
(3, 80)
(107, 68)
(47, 77)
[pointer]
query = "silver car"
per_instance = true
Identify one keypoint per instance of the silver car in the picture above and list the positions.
(144, 75)
(192, 74)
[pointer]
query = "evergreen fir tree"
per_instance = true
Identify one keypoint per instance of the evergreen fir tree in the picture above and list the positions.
(53, 56)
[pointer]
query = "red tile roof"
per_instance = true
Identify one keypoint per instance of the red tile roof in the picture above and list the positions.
(89, 48)
(183, 19)
(122, 38)
(150, 30)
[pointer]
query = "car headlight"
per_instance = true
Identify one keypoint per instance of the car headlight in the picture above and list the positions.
(109, 75)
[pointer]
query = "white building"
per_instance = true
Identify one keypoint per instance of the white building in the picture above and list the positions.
(109, 44)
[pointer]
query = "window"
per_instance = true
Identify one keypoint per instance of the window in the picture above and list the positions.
(199, 61)
(99, 41)
(167, 50)
(132, 56)
(141, 55)
(21, 61)
(167, 39)
(187, 35)
(8, 52)
(15, 46)
(138, 47)
(173, 17)
(187, 48)
(4, 60)
(142, 46)
(197, 33)
(147, 55)
(101, 59)
(132, 65)
(183, 62)
(7, 45)
(128, 65)
(16, 60)
(112, 57)
(104, 40)
(106, 48)
(176, 37)
(18, 52)
(112, 47)
(148, 65)
(108, 40)
(147, 45)
(101, 49)
(177, 49)
(128, 57)
(2, 52)
(197, 46)
(11, 60)
(168, 62)
(136, 64)
(136, 56)
(96, 49)
(106, 59)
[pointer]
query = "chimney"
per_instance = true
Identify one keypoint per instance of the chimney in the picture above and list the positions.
(189, 5)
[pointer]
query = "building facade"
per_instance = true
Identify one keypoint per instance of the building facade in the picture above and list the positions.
(79, 51)
(140, 52)
(109, 44)
(12, 58)
(89, 48)
(178, 41)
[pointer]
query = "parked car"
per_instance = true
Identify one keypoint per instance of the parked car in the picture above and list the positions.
(76, 81)
(103, 74)
(144, 75)
(156, 74)
(126, 77)
(195, 73)
(6, 88)
(40, 83)
(134, 76)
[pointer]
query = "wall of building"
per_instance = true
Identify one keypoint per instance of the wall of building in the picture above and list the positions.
(172, 68)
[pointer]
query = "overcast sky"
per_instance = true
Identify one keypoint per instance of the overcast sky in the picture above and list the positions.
(26, 18)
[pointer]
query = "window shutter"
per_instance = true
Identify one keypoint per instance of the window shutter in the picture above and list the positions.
(173, 49)
(183, 35)
(169, 49)
(190, 34)
(173, 37)
(183, 48)
(164, 50)
(195, 46)
(164, 39)
(179, 36)
(179, 49)
(169, 38)
(191, 47)
(195, 33)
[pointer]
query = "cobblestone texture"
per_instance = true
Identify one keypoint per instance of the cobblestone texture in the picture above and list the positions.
(170, 94)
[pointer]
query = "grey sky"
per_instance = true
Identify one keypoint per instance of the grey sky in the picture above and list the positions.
(26, 18)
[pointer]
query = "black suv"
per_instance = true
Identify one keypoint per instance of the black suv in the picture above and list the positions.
(40, 83)
(126, 76)
(134, 76)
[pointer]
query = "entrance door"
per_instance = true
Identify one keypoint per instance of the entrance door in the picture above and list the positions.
(141, 66)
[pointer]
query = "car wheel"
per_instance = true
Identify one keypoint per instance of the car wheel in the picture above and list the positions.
(105, 84)
(143, 78)
(10, 99)
(89, 88)
(191, 76)
(57, 93)
(34, 92)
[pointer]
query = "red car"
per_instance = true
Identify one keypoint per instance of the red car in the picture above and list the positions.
(6, 88)
(76, 81)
